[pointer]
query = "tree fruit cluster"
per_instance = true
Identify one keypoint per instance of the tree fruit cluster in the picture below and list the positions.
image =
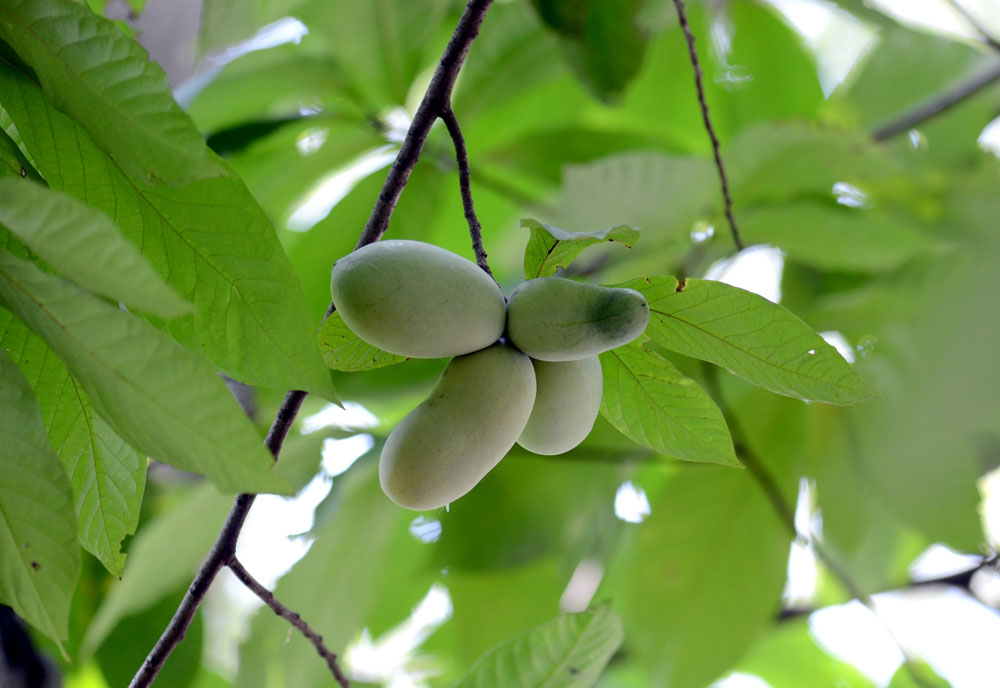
(525, 369)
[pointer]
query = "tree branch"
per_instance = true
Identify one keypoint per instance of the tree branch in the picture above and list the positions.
(433, 105)
(293, 618)
(698, 77)
(937, 104)
(436, 99)
(464, 183)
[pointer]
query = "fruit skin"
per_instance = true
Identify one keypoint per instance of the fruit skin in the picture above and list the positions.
(556, 319)
(471, 419)
(566, 405)
(417, 300)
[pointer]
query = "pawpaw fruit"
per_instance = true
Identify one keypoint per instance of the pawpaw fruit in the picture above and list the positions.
(471, 419)
(557, 319)
(567, 401)
(417, 300)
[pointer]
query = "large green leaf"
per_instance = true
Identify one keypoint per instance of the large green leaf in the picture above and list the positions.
(650, 401)
(568, 652)
(164, 400)
(39, 557)
(85, 246)
(344, 350)
(702, 577)
(750, 336)
(103, 79)
(163, 556)
(209, 240)
(107, 475)
(551, 248)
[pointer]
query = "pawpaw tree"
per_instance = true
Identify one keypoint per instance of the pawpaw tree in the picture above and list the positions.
(777, 221)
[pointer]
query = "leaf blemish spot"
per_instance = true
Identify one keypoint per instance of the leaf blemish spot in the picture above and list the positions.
(681, 285)
(35, 565)
(811, 352)
(24, 172)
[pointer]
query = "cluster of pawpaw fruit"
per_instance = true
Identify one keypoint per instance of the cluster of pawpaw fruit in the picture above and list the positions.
(525, 369)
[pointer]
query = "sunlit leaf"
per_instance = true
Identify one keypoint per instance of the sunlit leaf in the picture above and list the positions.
(85, 246)
(750, 336)
(568, 652)
(39, 557)
(343, 350)
(551, 248)
(106, 81)
(650, 401)
(162, 399)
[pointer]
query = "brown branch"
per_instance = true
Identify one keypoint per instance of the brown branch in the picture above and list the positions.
(698, 78)
(435, 101)
(464, 183)
(976, 24)
(436, 98)
(937, 104)
(293, 618)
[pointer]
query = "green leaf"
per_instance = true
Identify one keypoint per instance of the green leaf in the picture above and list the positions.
(39, 557)
(343, 350)
(702, 578)
(164, 400)
(84, 245)
(163, 556)
(568, 652)
(209, 240)
(103, 79)
(107, 475)
(760, 341)
(916, 673)
(834, 238)
(648, 399)
(551, 248)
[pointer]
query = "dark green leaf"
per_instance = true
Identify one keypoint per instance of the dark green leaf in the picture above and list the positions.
(750, 336)
(107, 475)
(106, 81)
(551, 248)
(39, 557)
(568, 652)
(343, 350)
(209, 240)
(84, 245)
(162, 399)
(649, 400)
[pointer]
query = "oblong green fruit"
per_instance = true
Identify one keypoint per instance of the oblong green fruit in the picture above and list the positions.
(471, 419)
(567, 401)
(417, 300)
(556, 319)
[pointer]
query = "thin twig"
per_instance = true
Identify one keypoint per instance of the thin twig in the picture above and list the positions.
(976, 24)
(293, 618)
(464, 183)
(698, 77)
(937, 104)
(435, 99)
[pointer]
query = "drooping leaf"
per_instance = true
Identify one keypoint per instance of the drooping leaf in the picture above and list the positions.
(758, 340)
(164, 400)
(160, 559)
(568, 652)
(85, 246)
(106, 474)
(39, 557)
(343, 350)
(551, 248)
(702, 578)
(832, 238)
(651, 402)
(106, 81)
(209, 240)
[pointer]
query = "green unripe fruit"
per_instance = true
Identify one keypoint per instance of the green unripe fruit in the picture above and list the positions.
(417, 300)
(567, 401)
(471, 419)
(556, 319)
